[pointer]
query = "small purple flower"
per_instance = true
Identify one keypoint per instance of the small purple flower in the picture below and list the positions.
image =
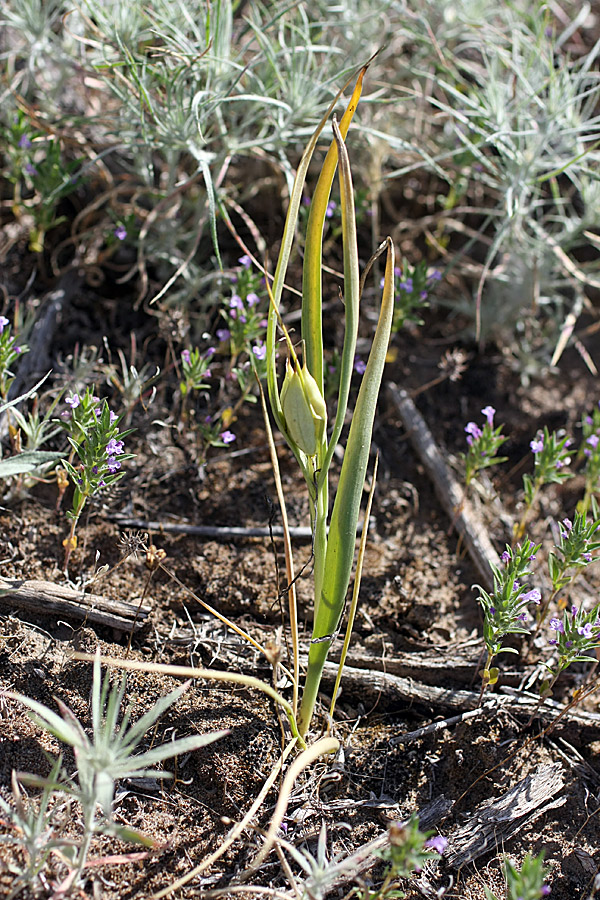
(17, 349)
(112, 417)
(586, 630)
(566, 529)
(505, 556)
(227, 437)
(113, 464)
(546, 889)
(30, 169)
(331, 206)
(574, 611)
(522, 617)
(245, 261)
(437, 843)
(24, 142)
(3, 323)
(359, 365)
(73, 401)
(406, 285)
(537, 445)
(593, 441)
(114, 447)
(236, 302)
(260, 350)
(423, 295)
(553, 641)
(533, 596)
(252, 299)
(493, 610)
(474, 432)
(489, 412)
(557, 625)
(120, 232)
(210, 352)
(223, 334)
(587, 557)
(185, 355)
(435, 275)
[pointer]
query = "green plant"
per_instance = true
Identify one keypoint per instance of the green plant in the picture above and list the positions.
(111, 753)
(29, 460)
(504, 609)
(551, 460)
(93, 433)
(509, 117)
(299, 408)
(526, 883)
(32, 828)
(407, 850)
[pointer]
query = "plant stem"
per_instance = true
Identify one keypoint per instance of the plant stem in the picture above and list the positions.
(485, 683)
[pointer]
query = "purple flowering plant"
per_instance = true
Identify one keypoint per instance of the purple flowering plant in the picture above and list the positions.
(589, 455)
(97, 453)
(41, 174)
(526, 883)
(505, 609)
(195, 369)
(575, 636)
(412, 287)
(244, 311)
(213, 431)
(11, 349)
(551, 459)
(578, 541)
(483, 443)
(407, 850)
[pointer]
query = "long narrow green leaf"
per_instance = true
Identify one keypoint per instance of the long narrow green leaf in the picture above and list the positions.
(284, 255)
(351, 306)
(27, 461)
(355, 592)
(132, 765)
(312, 331)
(52, 722)
(344, 517)
(351, 296)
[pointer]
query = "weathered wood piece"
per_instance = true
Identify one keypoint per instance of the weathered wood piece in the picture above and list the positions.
(395, 688)
(47, 598)
(496, 821)
(451, 494)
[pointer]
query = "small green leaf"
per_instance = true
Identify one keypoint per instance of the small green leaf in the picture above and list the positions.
(27, 461)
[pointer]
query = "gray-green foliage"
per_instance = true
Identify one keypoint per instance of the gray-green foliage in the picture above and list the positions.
(32, 458)
(33, 827)
(109, 754)
(517, 126)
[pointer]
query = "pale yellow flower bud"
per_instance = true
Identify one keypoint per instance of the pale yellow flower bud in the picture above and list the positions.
(303, 408)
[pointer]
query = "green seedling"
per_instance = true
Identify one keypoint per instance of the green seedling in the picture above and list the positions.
(110, 753)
